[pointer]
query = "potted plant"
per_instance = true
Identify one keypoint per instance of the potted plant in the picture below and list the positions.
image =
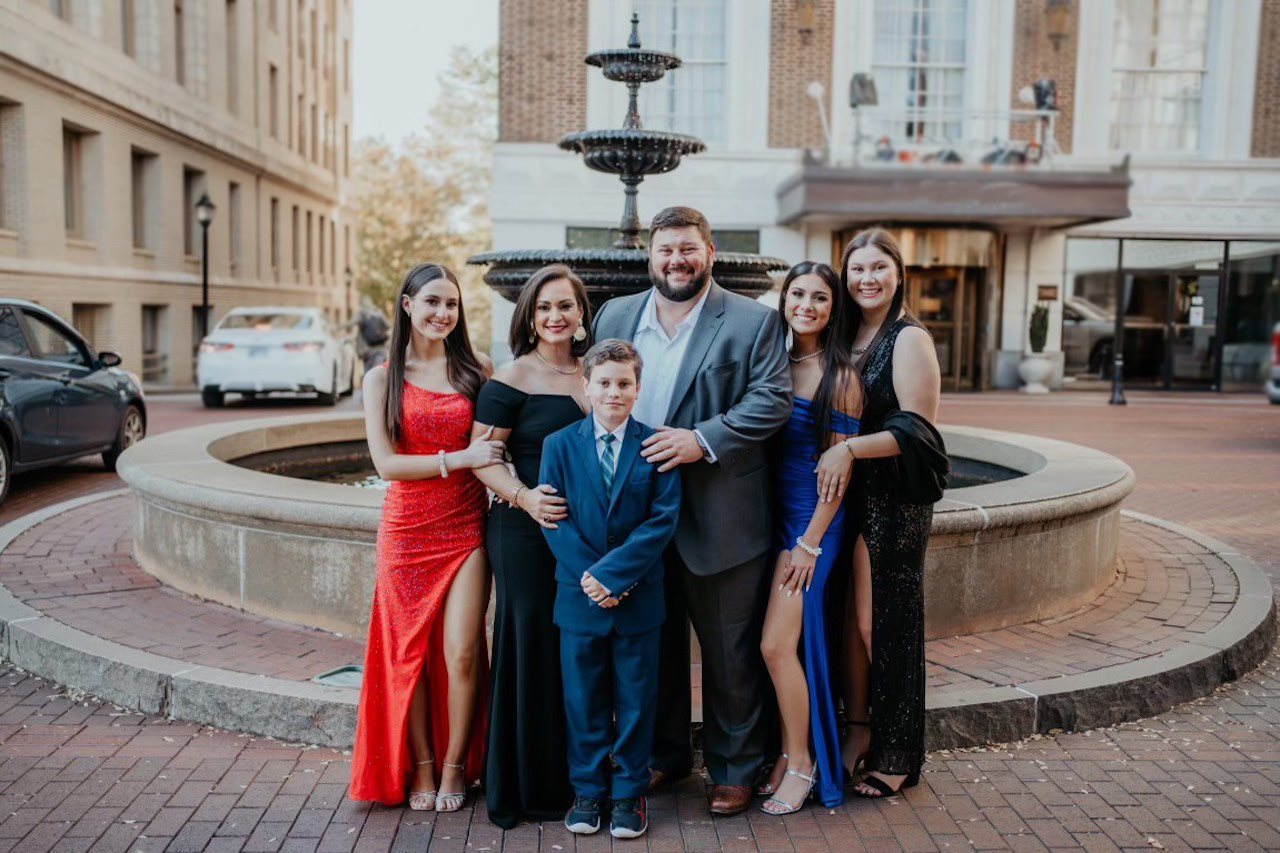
(1036, 368)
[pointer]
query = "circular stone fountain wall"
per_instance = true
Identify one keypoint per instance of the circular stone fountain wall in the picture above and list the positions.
(1002, 553)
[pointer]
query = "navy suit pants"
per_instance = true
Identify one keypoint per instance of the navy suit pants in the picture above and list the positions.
(610, 697)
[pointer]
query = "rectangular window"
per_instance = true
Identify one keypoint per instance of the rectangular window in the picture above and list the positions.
(346, 65)
(155, 344)
(273, 14)
(1157, 74)
(346, 151)
(273, 99)
(128, 28)
(233, 225)
(93, 322)
(302, 128)
(275, 235)
(73, 181)
(233, 57)
(320, 262)
(193, 186)
(297, 239)
(179, 44)
(302, 36)
(145, 186)
(308, 241)
(692, 99)
(10, 162)
(315, 136)
(61, 8)
(315, 44)
(333, 248)
(346, 246)
(918, 62)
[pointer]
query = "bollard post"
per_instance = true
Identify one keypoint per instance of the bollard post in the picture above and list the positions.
(1117, 381)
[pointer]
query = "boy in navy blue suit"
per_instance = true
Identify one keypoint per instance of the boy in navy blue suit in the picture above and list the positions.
(609, 599)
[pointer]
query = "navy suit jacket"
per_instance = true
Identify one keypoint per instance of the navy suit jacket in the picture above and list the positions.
(619, 537)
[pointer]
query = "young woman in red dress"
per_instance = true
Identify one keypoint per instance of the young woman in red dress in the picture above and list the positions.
(421, 718)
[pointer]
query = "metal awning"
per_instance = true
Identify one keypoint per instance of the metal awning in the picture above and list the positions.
(1001, 197)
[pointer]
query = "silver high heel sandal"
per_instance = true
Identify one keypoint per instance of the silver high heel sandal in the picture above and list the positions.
(789, 808)
(423, 801)
(451, 802)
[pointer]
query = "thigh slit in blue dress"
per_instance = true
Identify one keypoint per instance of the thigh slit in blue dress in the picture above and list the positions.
(798, 496)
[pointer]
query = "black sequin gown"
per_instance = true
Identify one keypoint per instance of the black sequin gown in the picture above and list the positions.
(526, 768)
(896, 534)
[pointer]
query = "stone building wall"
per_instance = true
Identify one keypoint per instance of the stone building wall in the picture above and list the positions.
(1035, 58)
(542, 80)
(59, 76)
(797, 59)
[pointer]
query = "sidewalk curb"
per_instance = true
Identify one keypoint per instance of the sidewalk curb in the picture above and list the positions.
(1124, 692)
(299, 712)
(312, 713)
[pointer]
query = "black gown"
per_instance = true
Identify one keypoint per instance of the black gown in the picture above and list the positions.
(896, 531)
(526, 767)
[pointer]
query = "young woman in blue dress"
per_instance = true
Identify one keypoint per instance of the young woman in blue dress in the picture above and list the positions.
(810, 531)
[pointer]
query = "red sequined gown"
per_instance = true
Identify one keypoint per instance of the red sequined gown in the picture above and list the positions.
(429, 528)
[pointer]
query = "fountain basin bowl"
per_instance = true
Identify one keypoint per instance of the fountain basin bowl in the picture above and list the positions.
(1035, 546)
(633, 65)
(631, 151)
(617, 272)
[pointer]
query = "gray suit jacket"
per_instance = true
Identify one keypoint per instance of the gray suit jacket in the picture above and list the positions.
(735, 387)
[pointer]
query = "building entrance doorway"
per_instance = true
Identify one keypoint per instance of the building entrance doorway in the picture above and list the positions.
(946, 300)
(1170, 324)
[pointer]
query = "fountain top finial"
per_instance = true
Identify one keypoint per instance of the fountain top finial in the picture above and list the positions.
(634, 41)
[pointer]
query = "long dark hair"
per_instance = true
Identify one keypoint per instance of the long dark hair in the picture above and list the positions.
(883, 241)
(527, 306)
(462, 366)
(835, 342)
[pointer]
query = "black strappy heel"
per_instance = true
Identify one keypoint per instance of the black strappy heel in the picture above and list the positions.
(883, 788)
(861, 759)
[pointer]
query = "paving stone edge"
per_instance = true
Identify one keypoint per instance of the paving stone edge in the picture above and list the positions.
(299, 712)
(310, 713)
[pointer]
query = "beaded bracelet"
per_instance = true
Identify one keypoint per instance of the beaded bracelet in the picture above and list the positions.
(807, 548)
(444, 469)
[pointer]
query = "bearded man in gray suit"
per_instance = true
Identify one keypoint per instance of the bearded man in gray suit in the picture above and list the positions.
(716, 386)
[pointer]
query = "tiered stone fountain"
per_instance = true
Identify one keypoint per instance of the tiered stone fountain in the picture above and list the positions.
(631, 153)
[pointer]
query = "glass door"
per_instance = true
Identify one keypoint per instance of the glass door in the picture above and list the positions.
(1146, 313)
(1193, 321)
(937, 297)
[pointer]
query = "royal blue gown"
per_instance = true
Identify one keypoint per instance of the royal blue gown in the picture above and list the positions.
(797, 490)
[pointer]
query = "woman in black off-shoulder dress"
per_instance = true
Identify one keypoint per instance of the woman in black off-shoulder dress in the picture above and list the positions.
(540, 392)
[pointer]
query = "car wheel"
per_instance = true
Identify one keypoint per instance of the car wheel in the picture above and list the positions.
(6, 471)
(211, 397)
(330, 399)
(133, 428)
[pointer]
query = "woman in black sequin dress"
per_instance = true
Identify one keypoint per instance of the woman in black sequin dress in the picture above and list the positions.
(896, 468)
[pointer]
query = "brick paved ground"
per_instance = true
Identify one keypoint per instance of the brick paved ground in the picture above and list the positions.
(79, 775)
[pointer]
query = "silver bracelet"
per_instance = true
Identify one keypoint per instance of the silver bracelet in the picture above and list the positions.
(444, 469)
(807, 548)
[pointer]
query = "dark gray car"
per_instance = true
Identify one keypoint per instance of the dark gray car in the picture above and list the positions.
(58, 399)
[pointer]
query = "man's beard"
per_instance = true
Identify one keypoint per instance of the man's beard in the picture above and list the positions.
(684, 294)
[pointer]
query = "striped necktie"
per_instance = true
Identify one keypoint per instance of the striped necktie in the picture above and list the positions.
(607, 461)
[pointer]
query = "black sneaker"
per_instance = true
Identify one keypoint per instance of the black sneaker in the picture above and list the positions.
(584, 817)
(630, 818)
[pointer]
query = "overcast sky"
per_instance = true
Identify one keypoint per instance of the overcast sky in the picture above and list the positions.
(400, 47)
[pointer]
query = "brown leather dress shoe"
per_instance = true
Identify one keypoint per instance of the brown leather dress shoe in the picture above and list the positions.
(659, 779)
(729, 799)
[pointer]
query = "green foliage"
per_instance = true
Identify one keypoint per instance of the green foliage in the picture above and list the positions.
(426, 197)
(1039, 331)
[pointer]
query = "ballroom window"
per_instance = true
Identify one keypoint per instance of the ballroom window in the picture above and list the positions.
(1157, 79)
(918, 62)
(690, 99)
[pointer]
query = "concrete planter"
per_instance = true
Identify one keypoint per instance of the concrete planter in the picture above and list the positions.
(1035, 370)
(1000, 554)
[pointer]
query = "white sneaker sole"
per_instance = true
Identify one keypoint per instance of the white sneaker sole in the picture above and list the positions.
(628, 833)
(582, 828)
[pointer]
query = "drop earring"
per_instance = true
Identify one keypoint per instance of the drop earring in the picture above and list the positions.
(580, 334)
(533, 335)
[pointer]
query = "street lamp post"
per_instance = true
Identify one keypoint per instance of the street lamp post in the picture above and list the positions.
(204, 215)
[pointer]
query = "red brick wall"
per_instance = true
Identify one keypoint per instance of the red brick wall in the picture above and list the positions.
(542, 80)
(1266, 93)
(1034, 57)
(796, 60)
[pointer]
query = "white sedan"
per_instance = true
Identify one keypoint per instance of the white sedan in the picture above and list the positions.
(255, 351)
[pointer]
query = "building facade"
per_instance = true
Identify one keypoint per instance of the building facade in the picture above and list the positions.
(117, 116)
(1116, 160)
